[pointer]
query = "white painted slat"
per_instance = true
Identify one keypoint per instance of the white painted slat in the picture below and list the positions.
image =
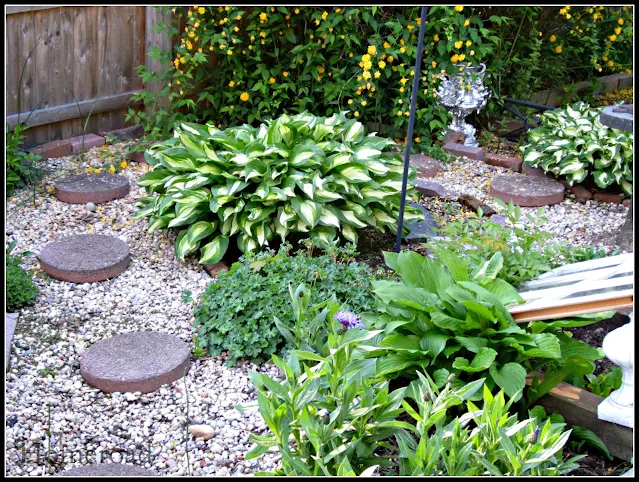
(555, 293)
(588, 265)
(571, 301)
(594, 275)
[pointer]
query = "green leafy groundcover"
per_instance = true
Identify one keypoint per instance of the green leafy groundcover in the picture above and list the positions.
(238, 310)
(21, 289)
(315, 175)
(573, 142)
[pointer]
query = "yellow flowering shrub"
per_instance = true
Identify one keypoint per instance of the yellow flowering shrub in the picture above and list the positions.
(242, 64)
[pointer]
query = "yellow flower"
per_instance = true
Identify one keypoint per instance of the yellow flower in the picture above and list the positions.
(558, 49)
(201, 10)
(454, 59)
(381, 64)
(401, 89)
(390, 58)
(620, 21)
(399, 112)
(472, 52)
(321, 69)
(191, 34)
(459, 8)
(356, 114)
(182, 60)
(97, 171)
(402, 50)
(613, 38)
(263, 17)
(467, 23)
(123, 165)
(568, 16)
(403, 80)
(324, 15)
(400, 101)
(366, 75)
(553, 38)
(338, 10)
(459, 44)
(372, 50)
(562, 11)
(350, 101)
(468, 43)
(89, 170)
(263, 34)
(271, 80)
(244, 96)
(462, 57)
(297, 10)
(618, 30)
(436, 38)
(285, 74)
(181, 92)
(418, 140)
(366, 58)
(410, 27)
(611, 63)
(377, 74)
(363, 102)
(387, 45)
(112, 169)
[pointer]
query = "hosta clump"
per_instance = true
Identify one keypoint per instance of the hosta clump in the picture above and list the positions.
(573, 142)
(240, 311)
(299, 174)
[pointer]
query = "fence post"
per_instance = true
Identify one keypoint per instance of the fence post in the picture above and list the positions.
(155, 15)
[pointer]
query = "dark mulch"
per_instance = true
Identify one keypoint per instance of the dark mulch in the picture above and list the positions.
(500, 146)
(594, 335)
(596, 465)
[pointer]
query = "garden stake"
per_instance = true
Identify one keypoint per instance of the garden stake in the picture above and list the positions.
(411, 124)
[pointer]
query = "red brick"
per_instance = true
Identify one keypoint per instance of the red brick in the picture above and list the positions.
(476, 153)
(627, 202)
(214, 269)
(607, 197)
(426, 166)
(54, 149)
(84, 143)
(454, 137)
(534, 171)
(581, 192)
(137, 156)
(473, 203)
(499, 160)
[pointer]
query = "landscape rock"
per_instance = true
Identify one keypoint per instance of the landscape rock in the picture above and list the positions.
(205, 432)
(470, 152)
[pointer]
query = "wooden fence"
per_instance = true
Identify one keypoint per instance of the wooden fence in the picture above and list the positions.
(73, 66)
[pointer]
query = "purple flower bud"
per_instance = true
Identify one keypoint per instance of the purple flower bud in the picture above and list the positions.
(349, 320)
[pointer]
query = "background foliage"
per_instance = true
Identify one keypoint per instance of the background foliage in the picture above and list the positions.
(234, 65)
(21, 289)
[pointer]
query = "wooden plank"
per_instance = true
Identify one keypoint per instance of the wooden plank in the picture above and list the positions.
(155, 15)
(26, 44)
(70, 111)
(99, 70)
(13, 64)
(565, 279)
(579, 407)
(572, 310)
(555, 293)
(24, 8)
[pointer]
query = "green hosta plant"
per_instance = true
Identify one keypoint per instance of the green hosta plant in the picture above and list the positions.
(295, 174)
(447, 319)
(573, 142)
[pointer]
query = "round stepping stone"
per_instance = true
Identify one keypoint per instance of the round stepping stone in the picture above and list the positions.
(426, 166)
(527, 191)
(140, 361)
(96, 188)
(103, 470)
(85, 258)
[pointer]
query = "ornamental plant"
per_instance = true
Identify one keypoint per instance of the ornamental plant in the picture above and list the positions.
(247, 312)
(21, 289)
(573, 142)
(322, 177)
(444, 318)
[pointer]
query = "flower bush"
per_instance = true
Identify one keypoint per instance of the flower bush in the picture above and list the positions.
(573, 142)
(234, 64)
(300, 174)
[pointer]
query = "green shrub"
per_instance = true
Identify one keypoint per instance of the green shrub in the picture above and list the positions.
(238, 310)
(21, 166)
(573, 142)
(320, 176)
(21, 290)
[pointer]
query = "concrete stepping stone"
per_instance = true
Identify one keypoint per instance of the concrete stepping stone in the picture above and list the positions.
(431, 189)
(426, 166)
(95, 188)
(527, 191)
(421, 230)
(104, 470)
(140, 361)
(85, 258)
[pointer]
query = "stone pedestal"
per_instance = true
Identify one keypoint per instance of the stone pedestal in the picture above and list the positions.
(619, 347)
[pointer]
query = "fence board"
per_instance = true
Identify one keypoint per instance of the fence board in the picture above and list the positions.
(88, 53)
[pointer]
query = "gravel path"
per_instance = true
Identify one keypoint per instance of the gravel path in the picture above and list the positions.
(67, 318)
(578, 222)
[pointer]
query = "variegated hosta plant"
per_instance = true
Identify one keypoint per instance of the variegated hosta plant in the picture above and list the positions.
(573, 142)
(294, 174)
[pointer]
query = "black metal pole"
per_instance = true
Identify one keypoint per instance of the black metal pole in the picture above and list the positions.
(411, 124)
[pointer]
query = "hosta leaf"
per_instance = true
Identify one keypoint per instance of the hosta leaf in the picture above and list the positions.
(213, 251)
(186, 214)
(482, 360)
(354, 173)
(307, 210)
(200, 230)
(511, 377)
